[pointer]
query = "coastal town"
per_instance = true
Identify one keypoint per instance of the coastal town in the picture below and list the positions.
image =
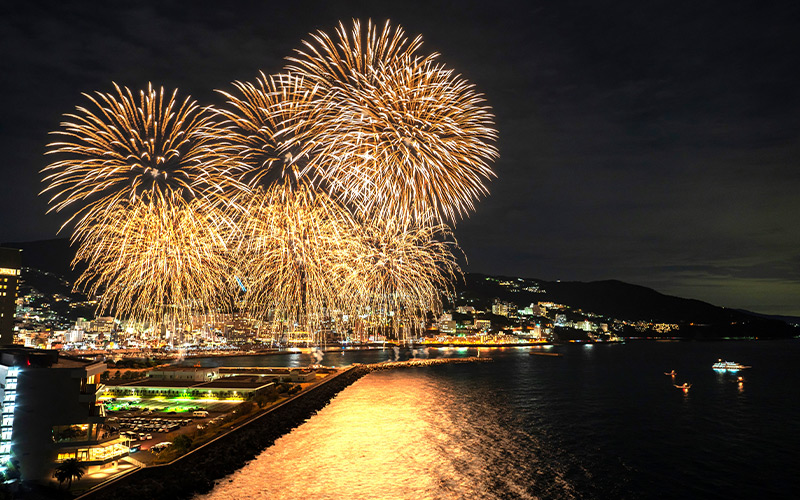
(130, 398)
(64, 321)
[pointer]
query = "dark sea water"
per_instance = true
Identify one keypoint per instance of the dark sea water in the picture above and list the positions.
(598, 422)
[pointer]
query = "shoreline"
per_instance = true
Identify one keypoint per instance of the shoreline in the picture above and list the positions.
(127, 354)
(197, 471)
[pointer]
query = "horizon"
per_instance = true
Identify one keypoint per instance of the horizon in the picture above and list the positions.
(479, 273)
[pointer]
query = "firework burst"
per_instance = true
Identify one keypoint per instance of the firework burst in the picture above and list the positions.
(326, 189)
(401, 270)
(155, 259)
(294, 246)
(263, 127)
(123, 149)
(395, 133)
(150, 196)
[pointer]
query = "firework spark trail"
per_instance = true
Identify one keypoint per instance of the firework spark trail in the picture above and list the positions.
(263, 127)
(155, 259)
(122, 150)
(306, 260)
(401, 270)
(395, 133)
(292, 235)
(165, 194)
(150, 196)
(294, 245)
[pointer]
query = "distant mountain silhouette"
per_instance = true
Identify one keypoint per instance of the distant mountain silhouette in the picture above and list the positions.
(792, 320)
(624, 301)
(52, 256)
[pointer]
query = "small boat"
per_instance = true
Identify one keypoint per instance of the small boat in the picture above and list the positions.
(728, 366)
(685, 386)
(671, 374)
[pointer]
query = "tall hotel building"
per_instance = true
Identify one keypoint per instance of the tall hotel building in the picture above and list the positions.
(10, 264)
(50, 413)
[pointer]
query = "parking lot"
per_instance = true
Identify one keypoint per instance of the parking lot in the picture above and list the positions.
(146, 428)
(143, 428)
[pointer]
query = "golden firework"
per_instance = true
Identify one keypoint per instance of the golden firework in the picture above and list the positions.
(155, 259)
(262, 128)
(294, 247)
(123, 149)
(151, 198)
(394, 132)
(170, 199)
(400, 272)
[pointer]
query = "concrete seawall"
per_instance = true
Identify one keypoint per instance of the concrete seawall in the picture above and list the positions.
(197, 471)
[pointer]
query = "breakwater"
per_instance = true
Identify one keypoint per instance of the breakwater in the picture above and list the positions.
(197, 471)
(387, 365)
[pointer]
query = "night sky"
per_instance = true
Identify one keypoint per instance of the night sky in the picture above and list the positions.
(652, 142)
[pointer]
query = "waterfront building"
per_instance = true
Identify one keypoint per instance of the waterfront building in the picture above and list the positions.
(184, 373)
(51, 413)
(483, 324)
(296, 375)
(500, 308)
(10, 268)
(234, 388)
(448, 326)
(105, 325)
(74, 335)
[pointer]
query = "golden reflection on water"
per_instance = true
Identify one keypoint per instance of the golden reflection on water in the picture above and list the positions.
(388, 436)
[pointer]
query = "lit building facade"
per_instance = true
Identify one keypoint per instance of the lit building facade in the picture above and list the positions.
(483, 325)
(55, 413)
(184, 373)
(10, 265)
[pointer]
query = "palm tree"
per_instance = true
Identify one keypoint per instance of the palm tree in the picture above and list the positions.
(69, 468)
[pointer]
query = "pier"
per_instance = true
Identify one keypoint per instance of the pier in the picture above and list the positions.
(388, 365)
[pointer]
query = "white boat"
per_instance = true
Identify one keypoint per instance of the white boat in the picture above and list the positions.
(728, 366)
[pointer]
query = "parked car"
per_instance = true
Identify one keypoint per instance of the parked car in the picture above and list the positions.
(158, 448)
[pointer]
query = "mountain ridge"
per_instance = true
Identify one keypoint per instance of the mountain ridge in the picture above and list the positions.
(629, 302)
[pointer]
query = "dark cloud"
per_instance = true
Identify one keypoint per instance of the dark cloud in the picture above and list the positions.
(654, 142)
